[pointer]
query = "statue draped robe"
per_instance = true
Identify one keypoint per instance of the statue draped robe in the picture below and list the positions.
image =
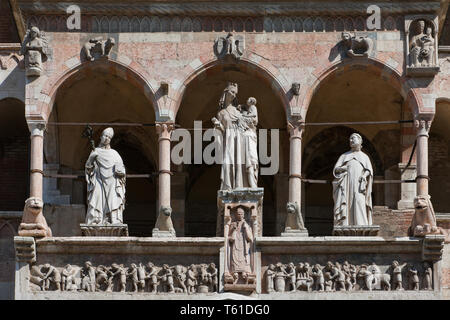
(353, 198)
(233, 166)
(106, 191)
(240, 240)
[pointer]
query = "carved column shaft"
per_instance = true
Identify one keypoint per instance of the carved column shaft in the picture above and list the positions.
(37, 158)
(422, 127)
(295, 161)
(164, 131)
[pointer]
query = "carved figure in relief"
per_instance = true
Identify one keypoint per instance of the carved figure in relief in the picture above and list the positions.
(421, 45)
(304, 279)
(105, 177)
(427, 51)
(37, 277)
(52, 275)
(103, 278)
(141, 277)
(88, 282)
(356, 45)
(213, 277)
(33, 219)
(424, 219)
(96, 48)
(180, 276)
(167, 278)
(68, 282)
(350, 275)
(367, 276)
(413, 278)
(280, 277)
(352, 187)
(229, 46)
(270, 278)
(319, 280)
(291, 277)
(35, 49)
(428, 276)
(240, 238)
(133, 275)
(397, 279)
(339, 278)
(191, 279)
(152, 277)
(380, 280)
(119, 272)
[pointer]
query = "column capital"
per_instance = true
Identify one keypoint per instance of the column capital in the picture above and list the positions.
(295, 126)
(37, 127)
(164, 129)
(422, 124)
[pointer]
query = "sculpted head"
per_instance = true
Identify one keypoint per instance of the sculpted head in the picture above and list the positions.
(34, 32)
(34, 205)
(428, 31)
(355, 141)
(421, 26)
(165, 210)
(346, 36)
(291, 207)
(240, 214)
(251, 101)
(106, 137)
(421, 202)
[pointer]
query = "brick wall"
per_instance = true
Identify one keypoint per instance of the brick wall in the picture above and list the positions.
(13, 172)
(8, 30)
(393, 223)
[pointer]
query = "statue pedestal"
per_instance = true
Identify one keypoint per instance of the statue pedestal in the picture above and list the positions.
(156, 233)
(104, 230)
(295, 233)
(240, 211)
(357, 231)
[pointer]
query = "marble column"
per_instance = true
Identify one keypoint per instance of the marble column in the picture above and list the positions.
(295, 160)
(36, 158)
(33, 222)
(164, 225)
(423, 127)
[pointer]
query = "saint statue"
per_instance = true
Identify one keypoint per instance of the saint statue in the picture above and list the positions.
(352, 187)
(240, 238)
(35, 49)
(237, 124)
(105, 176)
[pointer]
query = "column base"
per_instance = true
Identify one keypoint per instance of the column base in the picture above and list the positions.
(104, 230)
(295, 233)
(357, 231)
(156, 233)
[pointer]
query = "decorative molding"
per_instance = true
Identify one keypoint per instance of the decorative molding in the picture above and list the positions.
(433, 247)
(245, 23)
(109, 230)
(25, 249)
(235, 8)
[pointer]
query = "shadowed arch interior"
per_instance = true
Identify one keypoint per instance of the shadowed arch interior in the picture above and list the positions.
(350, 96)
(200, 103)
(107, 98)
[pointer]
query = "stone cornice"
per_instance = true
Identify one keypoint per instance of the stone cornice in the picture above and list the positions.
(257, 8)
